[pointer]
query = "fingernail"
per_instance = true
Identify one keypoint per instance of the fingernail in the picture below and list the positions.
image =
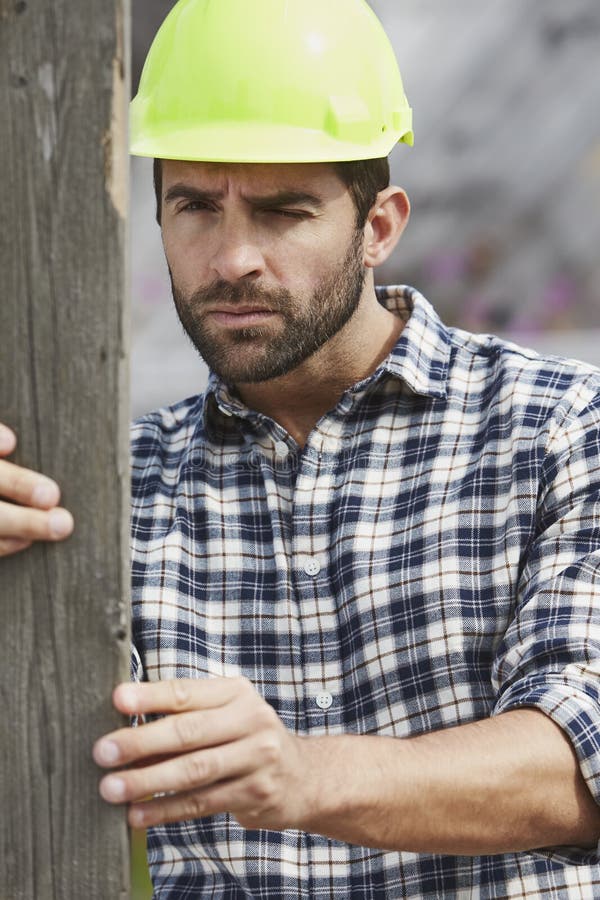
(112, 788)
(45, 493)
(136, 818)
(107, 753)
(61, 523)
(7, 438)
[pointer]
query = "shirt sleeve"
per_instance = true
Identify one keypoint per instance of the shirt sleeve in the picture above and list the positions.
(550, 655)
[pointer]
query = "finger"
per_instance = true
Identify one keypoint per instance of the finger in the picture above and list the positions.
(27, 487)
(227, 796)
(182, 773)
(24, 524)
(179, 695)
(182, 807)
(8, 441)
(9, 546)
(172, 735)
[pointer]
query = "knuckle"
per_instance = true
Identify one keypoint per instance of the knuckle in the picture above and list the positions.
(20, 524)
(14, 481)
(265, 716)
(19, 483)
(197, 769)
(204, 768)
(269, 749)
(10, 546)
(181, 693)
(261, 790)
(244, 684)
(17, 524)
(187, 730)
(194, 806)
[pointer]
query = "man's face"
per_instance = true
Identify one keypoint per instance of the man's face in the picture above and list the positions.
(266, 262)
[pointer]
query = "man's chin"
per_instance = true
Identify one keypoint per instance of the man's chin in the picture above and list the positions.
(254, 372)
(239, 365)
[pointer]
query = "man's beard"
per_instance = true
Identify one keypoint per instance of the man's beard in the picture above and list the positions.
(255, 354)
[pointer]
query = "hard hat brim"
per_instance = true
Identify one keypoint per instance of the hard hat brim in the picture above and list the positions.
(245, 143)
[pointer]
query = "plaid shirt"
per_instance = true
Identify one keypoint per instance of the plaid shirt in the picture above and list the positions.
(430, 558)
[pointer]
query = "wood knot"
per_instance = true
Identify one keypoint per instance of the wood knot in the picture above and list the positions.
(18, 81)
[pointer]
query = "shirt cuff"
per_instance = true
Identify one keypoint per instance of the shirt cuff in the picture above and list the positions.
(136, 674)
(136, 668)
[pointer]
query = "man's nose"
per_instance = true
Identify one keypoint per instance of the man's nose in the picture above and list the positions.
(237, 255)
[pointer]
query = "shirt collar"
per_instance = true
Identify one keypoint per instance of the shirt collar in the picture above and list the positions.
(420, 358)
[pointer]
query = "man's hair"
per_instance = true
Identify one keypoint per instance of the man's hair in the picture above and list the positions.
(364, 179)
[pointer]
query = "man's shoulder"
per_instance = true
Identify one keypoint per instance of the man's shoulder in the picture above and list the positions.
(516, 376)
(526, 372)
(480, 369)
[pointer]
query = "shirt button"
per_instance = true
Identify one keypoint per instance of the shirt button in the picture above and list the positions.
(312, 566)
(324, 700)
(281, 449)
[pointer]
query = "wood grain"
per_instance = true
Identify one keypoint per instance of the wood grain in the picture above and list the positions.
(64, 85)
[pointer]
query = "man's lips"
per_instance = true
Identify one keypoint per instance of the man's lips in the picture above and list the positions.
(240, 316)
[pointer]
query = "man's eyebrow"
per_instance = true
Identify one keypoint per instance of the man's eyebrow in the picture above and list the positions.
(182, 191)
(277, 200)
(287, 198)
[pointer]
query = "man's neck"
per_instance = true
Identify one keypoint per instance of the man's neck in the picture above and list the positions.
(299, 399)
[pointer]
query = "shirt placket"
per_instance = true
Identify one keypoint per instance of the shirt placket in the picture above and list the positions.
(311, 543)
(321, 646)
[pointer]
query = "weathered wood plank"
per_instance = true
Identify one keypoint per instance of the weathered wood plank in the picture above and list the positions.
(64, 84)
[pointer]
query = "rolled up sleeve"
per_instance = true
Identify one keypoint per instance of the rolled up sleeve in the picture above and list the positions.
(550, 655)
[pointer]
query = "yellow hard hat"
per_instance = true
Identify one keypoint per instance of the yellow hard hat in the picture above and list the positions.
(271, 81)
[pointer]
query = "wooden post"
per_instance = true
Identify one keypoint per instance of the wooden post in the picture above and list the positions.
(64, 86)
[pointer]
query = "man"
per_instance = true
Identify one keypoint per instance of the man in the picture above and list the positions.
(365, 560)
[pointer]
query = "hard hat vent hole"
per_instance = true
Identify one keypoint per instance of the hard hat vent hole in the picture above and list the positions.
(384, 129)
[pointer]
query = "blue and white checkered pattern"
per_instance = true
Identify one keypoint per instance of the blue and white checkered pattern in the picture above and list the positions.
(430, 558)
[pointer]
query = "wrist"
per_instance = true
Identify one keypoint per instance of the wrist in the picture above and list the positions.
(342, 780)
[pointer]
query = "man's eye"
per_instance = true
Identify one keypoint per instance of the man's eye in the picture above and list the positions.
(289, 213)
(195, 206)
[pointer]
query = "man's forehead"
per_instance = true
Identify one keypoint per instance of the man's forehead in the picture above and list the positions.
(319, 178)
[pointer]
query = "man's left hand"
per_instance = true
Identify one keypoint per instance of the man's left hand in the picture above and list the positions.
(219, 748)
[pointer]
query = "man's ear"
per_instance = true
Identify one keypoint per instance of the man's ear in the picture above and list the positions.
(387, 220)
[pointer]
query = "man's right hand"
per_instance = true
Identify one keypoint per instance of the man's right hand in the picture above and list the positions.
(33, 513)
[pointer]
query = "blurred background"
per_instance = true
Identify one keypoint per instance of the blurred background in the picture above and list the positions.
(504, 180)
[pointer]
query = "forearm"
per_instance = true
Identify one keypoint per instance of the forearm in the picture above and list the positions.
(508, 783)
(504, 784)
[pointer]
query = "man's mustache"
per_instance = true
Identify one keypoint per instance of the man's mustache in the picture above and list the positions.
(242, 294)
